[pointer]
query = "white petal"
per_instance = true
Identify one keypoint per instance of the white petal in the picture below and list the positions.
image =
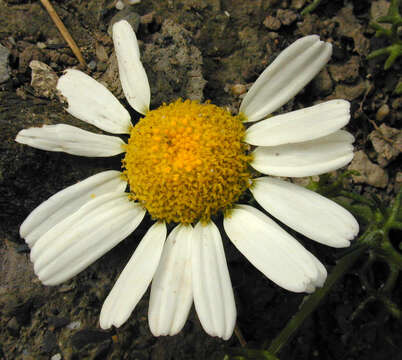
(272, 250)
(171, 291)
(305, 211)
(133, 77)
(66, 202)
(70, 140)
(300, 125)
(286, 76)
(83, 237)
(134, 279)
(322, 274)
(308, 158)
(90, 101)
(213, 293)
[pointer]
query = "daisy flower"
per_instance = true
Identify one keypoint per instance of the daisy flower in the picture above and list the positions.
(184, 163)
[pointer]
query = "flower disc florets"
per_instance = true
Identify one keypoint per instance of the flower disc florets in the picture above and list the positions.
(186, 161)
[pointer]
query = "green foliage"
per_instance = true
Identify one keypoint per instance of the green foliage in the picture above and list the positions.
(310, 8)
(393, 51)
(398, 89)
(249, 354)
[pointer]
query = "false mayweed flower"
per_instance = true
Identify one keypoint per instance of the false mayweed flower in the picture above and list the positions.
(184, 163)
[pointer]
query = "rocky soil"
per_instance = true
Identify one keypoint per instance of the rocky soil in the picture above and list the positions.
(213, 49)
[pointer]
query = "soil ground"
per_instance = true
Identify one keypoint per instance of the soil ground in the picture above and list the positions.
(213, 49)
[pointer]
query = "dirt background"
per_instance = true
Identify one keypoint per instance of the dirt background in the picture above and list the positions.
(213, 49)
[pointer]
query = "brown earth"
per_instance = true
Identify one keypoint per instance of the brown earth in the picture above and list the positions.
(211, 49)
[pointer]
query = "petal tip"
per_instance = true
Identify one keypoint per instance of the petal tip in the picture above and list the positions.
(105, 322)
(19, 137)
(120, 24)
(49, 282)
(310, 39)
(355, 228)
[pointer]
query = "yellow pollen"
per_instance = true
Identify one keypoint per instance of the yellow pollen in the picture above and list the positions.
(186, 161)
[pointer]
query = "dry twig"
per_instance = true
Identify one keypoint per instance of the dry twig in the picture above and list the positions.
(63, 30)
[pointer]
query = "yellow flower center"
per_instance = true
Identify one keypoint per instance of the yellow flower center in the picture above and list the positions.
(186, 161)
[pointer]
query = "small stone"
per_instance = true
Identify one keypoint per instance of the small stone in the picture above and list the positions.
(92, 65)
(347, 72)
(54, 43)
(387, 142)
(147, 18)
(272, 23)
(101, 53)
(397, 103)
(56, 357)
(238, 89)
(65, 288)
(370, 173)
(119, 5)
(127, 14)
(268, 49)
(21, 93)
(273, 35)
(41, 45)
(74, 325)
(11, 40)
(286, 17)
(349, 92)
(322, 83)
(297, 4)
(382, 112)
(43, 79)
(4, 66)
